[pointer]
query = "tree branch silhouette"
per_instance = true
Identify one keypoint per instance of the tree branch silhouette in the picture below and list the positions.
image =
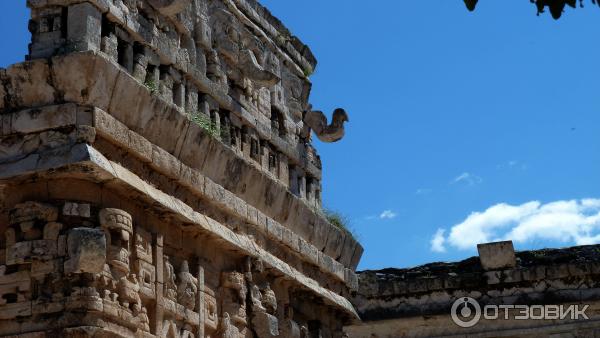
(556, 7)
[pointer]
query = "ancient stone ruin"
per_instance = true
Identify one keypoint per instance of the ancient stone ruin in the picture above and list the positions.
(418, 302)
(157, 177)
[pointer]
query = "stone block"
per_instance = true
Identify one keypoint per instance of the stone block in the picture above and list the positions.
(141, 146)
(203, 32)
(351, 279)
(325, 262)
(28, 84)
(261, 221)
(165, 162)
(86, 249)
(25, 165)
(492, 277)
(358, 252)
(19, 253)
(338, 270)
(497, 256)
(265, 325)
(35, 120)
(275, 230)
(84, 26)
(579, 269)
(319, 234)
(348, 250)
(310, 252)
(335, 242)
(126, 99)
(290, 239)
(557, 271)
(297, 215)
(194, 150)
(77, 209)
(166, 128)
(512, 276)
(14, 310)
(252, 216)
(41, 268)
(111, 128)
(291, 329)
(85, 78)
(192, 179)
(534, 273)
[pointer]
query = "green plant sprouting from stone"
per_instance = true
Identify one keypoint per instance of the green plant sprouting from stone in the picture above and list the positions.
(152, 86)
(204, 122)
(308, 71)
(339, 220)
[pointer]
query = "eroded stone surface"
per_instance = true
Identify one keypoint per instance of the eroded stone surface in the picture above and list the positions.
(158, 178)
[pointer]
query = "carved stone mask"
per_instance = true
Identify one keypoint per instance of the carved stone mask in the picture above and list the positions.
(118, 227)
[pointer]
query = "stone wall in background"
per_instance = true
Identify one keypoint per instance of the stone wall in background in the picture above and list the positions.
(418, 302)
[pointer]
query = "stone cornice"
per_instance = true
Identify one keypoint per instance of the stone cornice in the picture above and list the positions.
(85, 162)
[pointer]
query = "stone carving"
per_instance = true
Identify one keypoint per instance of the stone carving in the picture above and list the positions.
(170, 7)
(72, 266)
(243, 55)
(144, 266)
(211, 311)
(117, 225)
(317, 121)
(143, 245)
(170, 284)
(256, 297)
(234, 291)
(33, 233)
(227, 329)
(27, 213)
(76, 209)
(255, 72)
(128, 289)
(264, 305)
(265, 325)
(269, 301)
(187, 287)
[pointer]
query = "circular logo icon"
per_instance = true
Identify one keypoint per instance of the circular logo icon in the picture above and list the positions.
(466, 312)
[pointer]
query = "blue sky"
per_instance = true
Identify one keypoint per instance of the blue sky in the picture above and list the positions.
(469, 126)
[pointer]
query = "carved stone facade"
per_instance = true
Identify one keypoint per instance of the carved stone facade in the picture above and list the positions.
(157, 178)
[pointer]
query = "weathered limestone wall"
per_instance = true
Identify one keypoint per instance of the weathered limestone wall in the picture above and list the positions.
(417, 302)
(156, 179)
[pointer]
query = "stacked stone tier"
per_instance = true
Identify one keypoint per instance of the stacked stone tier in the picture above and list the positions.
(172, 142)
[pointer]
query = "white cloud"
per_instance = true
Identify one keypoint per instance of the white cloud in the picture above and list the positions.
(388, 214)
(467, 178)
(568, 222)
(438, 241)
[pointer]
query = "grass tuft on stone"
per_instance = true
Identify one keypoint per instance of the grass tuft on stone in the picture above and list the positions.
(339, 220)
(205, 123)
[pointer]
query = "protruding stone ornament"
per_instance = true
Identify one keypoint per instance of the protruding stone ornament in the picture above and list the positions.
(170, 7)
(316, 120)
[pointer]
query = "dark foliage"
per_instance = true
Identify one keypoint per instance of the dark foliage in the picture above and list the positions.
(556, 7)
